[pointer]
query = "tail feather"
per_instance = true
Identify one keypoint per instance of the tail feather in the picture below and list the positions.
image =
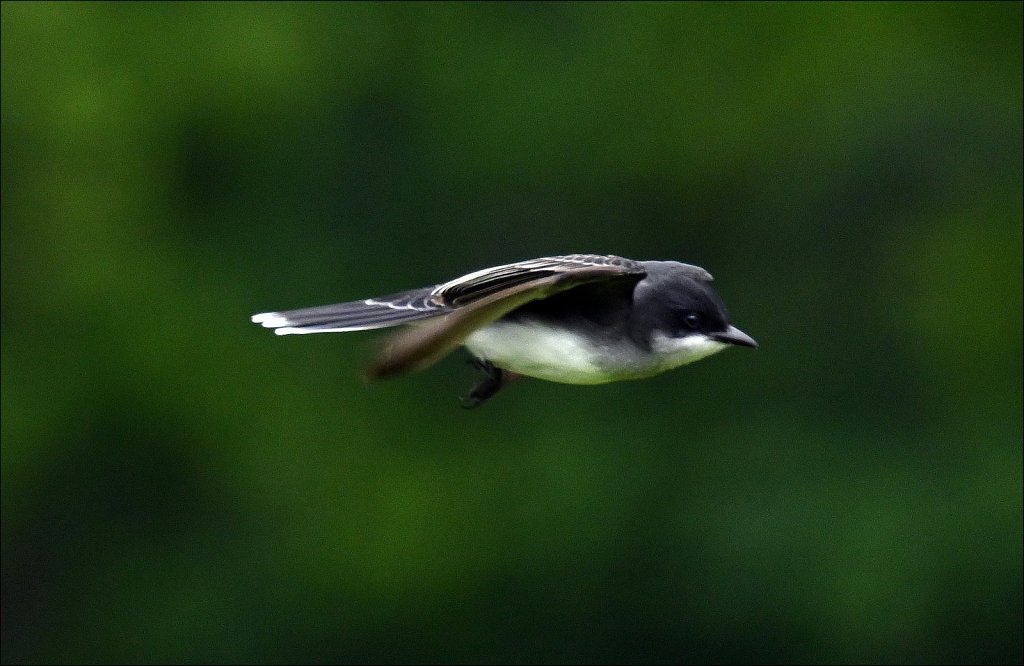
(381, 312)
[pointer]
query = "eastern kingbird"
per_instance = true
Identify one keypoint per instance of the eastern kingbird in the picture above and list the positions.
(575, 319)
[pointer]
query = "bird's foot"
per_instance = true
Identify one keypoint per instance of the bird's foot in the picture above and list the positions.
(492, 381)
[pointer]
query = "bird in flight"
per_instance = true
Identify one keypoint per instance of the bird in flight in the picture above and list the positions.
(574, 319)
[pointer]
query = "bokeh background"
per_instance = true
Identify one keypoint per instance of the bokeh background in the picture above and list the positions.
(182, 486)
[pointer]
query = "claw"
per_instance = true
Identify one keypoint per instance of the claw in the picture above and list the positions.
(492, 381)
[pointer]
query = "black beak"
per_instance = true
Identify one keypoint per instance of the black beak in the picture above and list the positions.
(735, 336)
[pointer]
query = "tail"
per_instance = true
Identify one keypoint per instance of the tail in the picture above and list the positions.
(380, 312)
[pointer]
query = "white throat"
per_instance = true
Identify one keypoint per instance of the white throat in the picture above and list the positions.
(674, 352)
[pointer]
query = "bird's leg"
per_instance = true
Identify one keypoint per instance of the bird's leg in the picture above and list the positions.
(492, 381)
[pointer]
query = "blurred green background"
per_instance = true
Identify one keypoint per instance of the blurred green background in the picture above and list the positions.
(182, 486)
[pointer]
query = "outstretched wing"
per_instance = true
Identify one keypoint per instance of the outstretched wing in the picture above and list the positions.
(475, 286)
(484, 297)
(430, 302)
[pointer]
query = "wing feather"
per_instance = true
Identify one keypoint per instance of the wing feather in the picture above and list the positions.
(421, 347)
(416, 305)
(483, 283)
(448, 313)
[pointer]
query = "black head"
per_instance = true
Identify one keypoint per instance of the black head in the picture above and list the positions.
(677, 300)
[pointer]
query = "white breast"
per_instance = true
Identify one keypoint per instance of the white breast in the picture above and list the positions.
(557, 355)
(547, 353)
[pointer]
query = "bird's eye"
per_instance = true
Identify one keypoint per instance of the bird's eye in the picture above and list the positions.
(692, 320)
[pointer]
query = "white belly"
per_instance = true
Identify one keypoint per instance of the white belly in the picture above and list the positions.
(542, 352)
(556, 355)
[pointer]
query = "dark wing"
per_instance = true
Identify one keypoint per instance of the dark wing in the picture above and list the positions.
(431, 302)
(483, 297)
(469, 288)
